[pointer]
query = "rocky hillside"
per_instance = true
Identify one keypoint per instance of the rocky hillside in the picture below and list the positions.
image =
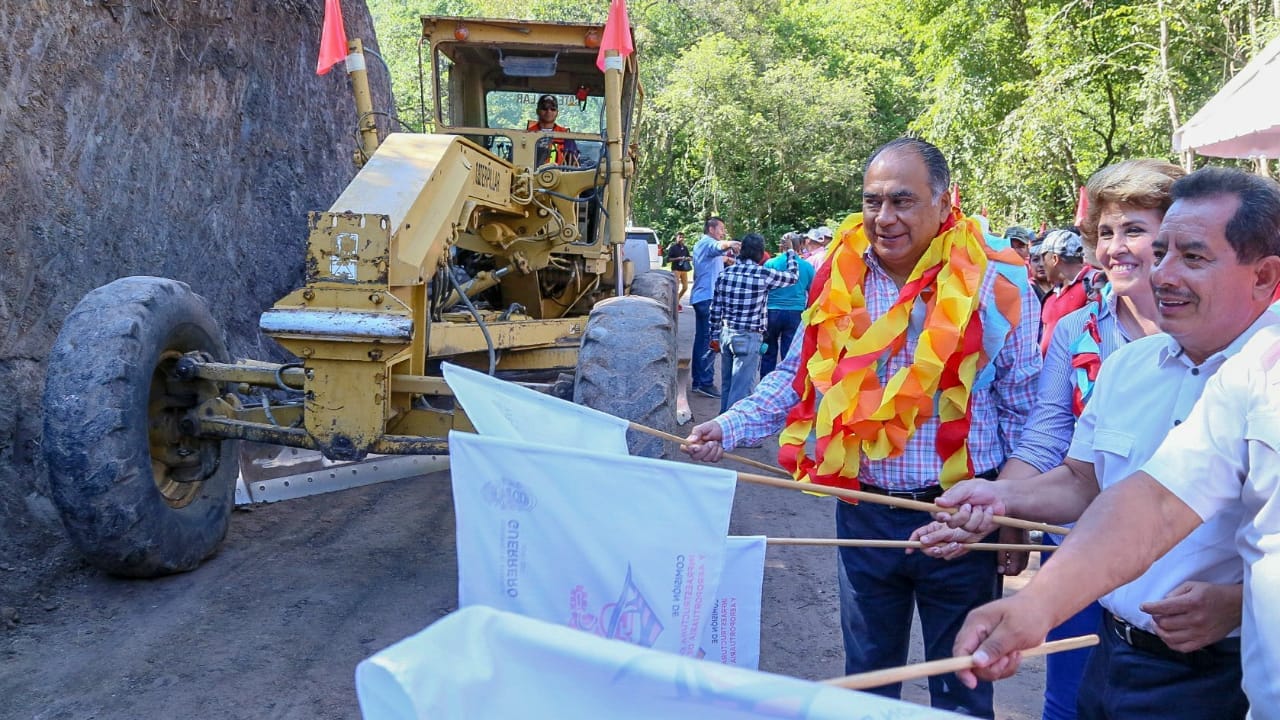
(179, 138)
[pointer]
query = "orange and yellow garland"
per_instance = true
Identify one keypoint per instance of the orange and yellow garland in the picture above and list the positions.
(856, 414)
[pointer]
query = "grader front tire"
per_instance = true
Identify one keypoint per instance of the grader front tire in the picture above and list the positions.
(627, 368)
(138, 496)
(660, 285)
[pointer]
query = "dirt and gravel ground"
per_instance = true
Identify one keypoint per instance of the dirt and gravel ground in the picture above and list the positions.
(274, 625)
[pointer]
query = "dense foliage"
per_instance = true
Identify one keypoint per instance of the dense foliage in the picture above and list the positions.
(763, 111)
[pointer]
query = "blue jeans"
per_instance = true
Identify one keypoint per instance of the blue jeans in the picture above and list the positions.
(1123, 683)
(739, 360)
(704, 373)
(879, 588)
(1064, 670)
(777, 337)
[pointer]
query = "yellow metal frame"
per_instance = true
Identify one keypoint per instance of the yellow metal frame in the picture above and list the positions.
(361, 323)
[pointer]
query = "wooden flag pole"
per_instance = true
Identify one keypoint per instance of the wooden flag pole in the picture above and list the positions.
(876, 678)
(915, 544)
(682, 441)
(858, 495)
(862, 496)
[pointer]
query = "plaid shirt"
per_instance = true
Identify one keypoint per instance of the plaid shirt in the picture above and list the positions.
(742, 291)
(997, 412)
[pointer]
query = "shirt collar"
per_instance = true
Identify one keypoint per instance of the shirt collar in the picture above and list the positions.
(1173, 351)
(870, 258)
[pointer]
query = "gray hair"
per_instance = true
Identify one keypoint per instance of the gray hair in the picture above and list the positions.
(934, 161)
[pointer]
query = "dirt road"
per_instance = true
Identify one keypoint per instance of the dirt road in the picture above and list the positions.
(274, 625)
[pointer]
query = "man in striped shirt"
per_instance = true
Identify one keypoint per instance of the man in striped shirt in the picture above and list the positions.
(738, 315)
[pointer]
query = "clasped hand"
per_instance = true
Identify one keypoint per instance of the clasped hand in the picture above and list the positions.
(974, 503)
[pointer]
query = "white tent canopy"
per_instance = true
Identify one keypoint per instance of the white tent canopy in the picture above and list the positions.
(1243, 119)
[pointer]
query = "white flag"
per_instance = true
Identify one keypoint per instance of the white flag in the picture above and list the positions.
(504, 409)
(623, 547)
(732, 636)
(482, 663)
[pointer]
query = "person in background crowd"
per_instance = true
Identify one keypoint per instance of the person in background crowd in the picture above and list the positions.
(1127, 202)
(708, 262)
(1020, 240)
(738, 315)
(1169, 645)
(681, 262)
(816, 245)
(1039, 280)
(874, 298)
(1075, 283)
(785, 305)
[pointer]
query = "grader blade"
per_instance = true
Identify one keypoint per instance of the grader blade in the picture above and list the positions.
(271, 473)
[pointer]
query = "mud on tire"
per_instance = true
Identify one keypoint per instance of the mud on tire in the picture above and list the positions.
(138, 497)
(627, 368)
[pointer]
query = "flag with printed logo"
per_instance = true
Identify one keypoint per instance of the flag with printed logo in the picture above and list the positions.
(621, 547)
(732, 636)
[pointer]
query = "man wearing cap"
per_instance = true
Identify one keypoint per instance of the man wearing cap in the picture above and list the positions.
(889, 390)
(556, 151)
(1020, 240)
(1076, 283)
(816, 245)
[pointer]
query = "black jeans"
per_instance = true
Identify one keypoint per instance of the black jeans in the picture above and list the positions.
(777, 338)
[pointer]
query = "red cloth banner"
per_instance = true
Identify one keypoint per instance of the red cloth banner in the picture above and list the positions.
(333, 39)
(617, 33)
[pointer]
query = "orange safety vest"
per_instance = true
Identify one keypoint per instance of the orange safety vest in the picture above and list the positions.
(557, 156)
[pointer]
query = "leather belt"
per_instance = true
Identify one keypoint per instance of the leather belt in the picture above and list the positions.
(1149, 642)
(924, 494)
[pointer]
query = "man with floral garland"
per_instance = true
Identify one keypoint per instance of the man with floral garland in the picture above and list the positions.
(914, 369)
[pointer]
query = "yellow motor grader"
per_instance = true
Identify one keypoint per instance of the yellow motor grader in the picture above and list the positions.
(490, 242)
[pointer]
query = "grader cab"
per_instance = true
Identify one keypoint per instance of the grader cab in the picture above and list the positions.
(493, 242)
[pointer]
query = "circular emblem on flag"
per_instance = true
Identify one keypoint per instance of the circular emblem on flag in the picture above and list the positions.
(509, 495)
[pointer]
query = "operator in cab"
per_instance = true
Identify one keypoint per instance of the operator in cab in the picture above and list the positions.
(554, 151)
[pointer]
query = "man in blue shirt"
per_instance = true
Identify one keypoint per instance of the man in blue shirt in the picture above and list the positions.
(785, 305)
(708, 261)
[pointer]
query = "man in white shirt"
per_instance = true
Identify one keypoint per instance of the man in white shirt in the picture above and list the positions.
(1163, 651)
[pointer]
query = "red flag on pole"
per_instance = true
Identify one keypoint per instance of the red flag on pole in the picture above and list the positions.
(333, 39)
(955, 195)
(617, 33)
(1082, 207)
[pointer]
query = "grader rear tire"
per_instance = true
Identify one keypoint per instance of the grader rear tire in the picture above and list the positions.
(627, 368)
(660, 285)
(138, 496)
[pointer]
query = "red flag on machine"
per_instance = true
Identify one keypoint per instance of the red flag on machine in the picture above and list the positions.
(1082, 207)
(333, 39)
(617, 33)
